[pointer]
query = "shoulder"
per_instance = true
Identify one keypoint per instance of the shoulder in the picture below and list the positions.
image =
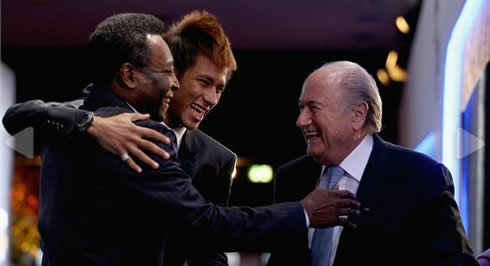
(408, 158)
(417, 167)
(204, 141)
(300, 163)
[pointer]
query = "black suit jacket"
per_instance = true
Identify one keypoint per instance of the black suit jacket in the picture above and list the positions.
(95, 210)
(413, 218)
(209, 163)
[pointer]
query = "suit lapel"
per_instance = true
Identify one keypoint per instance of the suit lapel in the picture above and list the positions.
(188, 154)
(367, 194)
(373, 174)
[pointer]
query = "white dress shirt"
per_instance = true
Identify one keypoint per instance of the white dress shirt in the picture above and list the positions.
(353, 165)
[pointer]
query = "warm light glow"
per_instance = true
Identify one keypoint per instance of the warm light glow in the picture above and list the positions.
(391, 59)
(233, 175)
(383, 77)
(402, 25)
(395, 72)
(242, 161)
(261, 173)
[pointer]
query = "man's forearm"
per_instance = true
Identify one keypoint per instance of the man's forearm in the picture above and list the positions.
(60, 119)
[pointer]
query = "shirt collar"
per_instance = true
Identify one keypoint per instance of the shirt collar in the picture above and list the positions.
(355, 163)
(179, 132)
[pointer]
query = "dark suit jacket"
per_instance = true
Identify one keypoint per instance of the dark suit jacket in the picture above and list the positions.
(209, 163)
(413, 218)
(95, 210)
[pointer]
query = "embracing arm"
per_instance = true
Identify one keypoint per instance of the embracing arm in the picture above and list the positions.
(234, 228)
(201, 255)
(117, 134)
(64, 119)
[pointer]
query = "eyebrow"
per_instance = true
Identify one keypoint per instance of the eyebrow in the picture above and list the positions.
(308, 102)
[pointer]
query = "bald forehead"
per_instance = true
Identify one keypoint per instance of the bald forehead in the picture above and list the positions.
(322, 78)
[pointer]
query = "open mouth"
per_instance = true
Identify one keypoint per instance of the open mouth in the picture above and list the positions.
(199, 111)
(311, 134)
(165, 101)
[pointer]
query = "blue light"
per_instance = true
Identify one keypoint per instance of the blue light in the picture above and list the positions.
(453, 86)
(428, 145)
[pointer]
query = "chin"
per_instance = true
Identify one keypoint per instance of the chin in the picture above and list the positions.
(190, 125)
(315, 153)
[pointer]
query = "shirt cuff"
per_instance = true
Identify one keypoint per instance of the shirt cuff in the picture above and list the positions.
(307, 219)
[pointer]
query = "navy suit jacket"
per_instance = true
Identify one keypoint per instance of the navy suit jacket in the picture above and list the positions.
(413, 218)
(95, 210)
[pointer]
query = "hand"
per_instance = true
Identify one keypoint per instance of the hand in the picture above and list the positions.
(325, 207)
(118, 134)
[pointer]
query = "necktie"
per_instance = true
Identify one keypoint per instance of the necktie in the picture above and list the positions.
(173, 142)
(321, 245)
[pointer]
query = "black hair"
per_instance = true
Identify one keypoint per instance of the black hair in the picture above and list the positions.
(120, 39)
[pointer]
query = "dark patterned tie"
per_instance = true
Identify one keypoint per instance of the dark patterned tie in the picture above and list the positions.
(173, 143)
(321, 244)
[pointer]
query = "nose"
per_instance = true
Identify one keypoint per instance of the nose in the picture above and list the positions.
(304, 118)
(211, 97)
(174, 83)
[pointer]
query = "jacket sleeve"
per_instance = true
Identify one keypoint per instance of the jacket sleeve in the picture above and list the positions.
(226, 228)
(211, 257)
(60, 119)
(448, 244)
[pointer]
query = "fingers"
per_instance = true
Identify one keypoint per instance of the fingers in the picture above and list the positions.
(143, 157)
(348, 203)
(138, 116)
(344, 194)
(153, 134)
(347, 211)
(149, 146)
(345, 222)
(133, 165)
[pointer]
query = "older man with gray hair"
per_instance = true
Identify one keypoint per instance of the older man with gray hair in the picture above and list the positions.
(409, 214)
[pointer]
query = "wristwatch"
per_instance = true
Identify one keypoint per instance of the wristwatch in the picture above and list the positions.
(85, 123)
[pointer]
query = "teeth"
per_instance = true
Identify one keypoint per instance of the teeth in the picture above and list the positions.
(311, 133)
(197, 108)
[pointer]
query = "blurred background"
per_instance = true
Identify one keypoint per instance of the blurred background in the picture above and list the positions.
(429, 58)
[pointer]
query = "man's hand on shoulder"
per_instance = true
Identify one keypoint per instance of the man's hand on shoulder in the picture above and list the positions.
(119, 135)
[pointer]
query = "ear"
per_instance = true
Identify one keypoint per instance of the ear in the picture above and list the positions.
(127, 75)
(359, 113)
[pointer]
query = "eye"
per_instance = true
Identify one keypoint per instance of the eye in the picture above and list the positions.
(204, 82)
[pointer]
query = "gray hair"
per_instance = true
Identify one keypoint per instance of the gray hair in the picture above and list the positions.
(361, 87)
